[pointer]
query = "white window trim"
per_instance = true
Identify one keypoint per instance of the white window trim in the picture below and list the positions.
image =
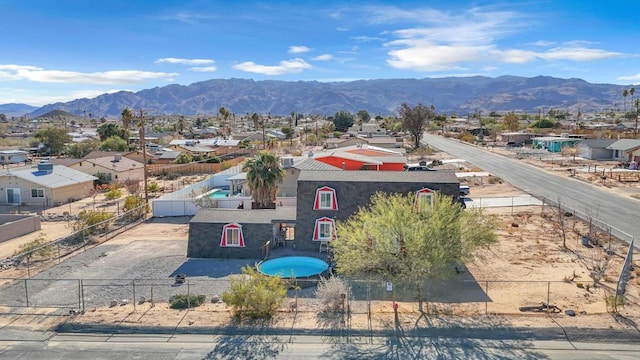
(229, 238)
(321, 206)
(330, 224)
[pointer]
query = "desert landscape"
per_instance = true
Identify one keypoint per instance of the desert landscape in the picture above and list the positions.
(534, 261)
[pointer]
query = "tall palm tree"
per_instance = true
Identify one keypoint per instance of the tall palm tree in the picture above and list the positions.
(264, 173)
(127, 116)
(625, 92)
(631, 92)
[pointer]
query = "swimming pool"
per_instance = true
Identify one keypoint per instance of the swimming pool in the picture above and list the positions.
(217, 194)
(293, 267)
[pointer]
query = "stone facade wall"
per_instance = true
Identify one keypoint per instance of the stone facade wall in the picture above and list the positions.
(204, 241)
(350, 195)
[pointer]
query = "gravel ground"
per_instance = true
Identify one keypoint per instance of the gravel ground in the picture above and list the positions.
(114, 272)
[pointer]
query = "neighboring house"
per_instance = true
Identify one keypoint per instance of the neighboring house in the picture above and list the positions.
(595, 149)
(322, 198)
(389, 142)
(516, 138)
(231, 233)
(626, 150)
(44, 185)
(334, 143)
(165, 157)
(12, 156)
(554, 144)
(363, 157)
(115, 168)
(251, 136)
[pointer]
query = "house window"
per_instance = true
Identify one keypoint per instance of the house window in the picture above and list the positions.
(37, 193)
(424, 199)
(232, 236)
(325, 199)
(325, 230)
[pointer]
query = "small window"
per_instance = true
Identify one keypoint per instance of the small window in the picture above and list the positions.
(37, 193)
(424, 199)
(325, 199)
(233, 237)
(325, 230)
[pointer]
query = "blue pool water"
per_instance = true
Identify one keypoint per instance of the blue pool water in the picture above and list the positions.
(219, 194)
(293, 266)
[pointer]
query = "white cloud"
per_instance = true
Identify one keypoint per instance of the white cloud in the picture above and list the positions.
(115, 77)
(293, 66)
(515, 56)
(204, 69)
(185, 61)
(577, 54)
(635, 77)
(424, 56)
(298, 49)
(36, 98)
(323, 57)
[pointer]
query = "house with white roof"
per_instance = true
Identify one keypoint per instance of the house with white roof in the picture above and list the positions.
(12, 156)
(44, 185)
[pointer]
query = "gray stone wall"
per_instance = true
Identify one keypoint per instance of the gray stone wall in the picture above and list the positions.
(204, 241)
(350, 195)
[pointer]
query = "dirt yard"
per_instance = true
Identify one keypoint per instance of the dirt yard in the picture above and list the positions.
(534, 261)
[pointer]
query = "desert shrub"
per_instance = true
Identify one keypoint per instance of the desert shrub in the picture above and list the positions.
(35, 247)
(467, 137)
(112, 194)
(132, 186)
(93, 222)
(187, 301)
(134, 207)
(255, 295)
(169, 176)
(332, 293)
(491, 179)
(153, 187)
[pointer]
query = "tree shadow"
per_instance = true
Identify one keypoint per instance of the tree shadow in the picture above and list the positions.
(257, 345)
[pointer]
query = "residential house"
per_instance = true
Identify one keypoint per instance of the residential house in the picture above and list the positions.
(389, 142)
(44, 185)
(554, 144)
(293, 167)
(595, 149)
(323, 197)
(626, 150)
(111, 168)
(334, 143)
(13, 157)
(516, 138)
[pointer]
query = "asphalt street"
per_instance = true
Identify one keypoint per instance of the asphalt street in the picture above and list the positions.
(148, 347)
(619, 212)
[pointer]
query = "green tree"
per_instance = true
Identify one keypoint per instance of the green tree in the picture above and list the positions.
(511, 122)
(288, 133)
(543, 124)
(399, 238)
(114, 143)
(83, 148)
(224, 113)
(183, 158)
(106, 131)
(264, 173)
(181, 124)
(342, 121)
(53, 140)
(363, 116)
(625, 92)
(416, 119)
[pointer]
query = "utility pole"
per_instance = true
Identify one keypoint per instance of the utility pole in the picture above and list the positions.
(143, 146)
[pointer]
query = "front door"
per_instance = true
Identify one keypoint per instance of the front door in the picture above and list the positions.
(13, 196)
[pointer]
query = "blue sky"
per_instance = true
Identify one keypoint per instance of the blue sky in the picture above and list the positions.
(60, 50)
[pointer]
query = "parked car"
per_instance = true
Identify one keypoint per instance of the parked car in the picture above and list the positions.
(419, 168)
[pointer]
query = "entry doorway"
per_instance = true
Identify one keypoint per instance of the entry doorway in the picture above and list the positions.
(13, 196)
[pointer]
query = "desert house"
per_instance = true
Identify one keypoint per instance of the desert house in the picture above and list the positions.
(363, 157)
(13, 156)
(626, 150)
(44, 185)
(595, 149)
(322, 198)
(111, 168)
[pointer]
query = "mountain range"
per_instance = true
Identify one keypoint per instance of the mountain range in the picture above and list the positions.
(461, 95)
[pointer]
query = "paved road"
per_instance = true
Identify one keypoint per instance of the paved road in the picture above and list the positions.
(621, 213)
(148, 347)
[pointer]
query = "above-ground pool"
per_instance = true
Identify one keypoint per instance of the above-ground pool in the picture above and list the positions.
(293, 267)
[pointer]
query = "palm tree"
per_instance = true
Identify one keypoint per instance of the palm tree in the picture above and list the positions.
(625, 92)
(631, 92)
(127, 116)
(225, 117)
(264, 173)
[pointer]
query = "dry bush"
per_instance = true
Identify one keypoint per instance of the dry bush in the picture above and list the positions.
(332, 292)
